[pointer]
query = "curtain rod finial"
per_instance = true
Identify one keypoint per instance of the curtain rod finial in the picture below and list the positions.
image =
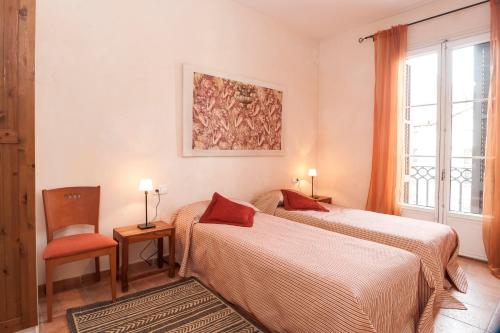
(361, 40)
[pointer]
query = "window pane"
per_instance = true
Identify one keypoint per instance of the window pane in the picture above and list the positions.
(466, 185)
(421, 130)
(470, 83)
(422, 74)
(468, 123)
(471, 72)
(468, 149)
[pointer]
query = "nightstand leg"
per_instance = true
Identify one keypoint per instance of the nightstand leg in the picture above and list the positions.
(124, 265)
(160, 252)
(117, 260)
(171, 255)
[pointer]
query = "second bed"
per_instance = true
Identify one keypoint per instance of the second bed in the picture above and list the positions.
(434, 243)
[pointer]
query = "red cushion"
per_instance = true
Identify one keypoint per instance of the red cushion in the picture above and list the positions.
(76, 244)
(296, 201)
(224, 211)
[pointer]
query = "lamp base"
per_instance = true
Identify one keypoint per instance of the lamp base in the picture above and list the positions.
(146, 226)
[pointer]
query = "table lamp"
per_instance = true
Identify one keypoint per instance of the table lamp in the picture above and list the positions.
(146, 185)
(312, 173)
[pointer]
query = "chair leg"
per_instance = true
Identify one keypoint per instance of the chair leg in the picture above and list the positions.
(97, 269)
(48, 289)
(112, 267)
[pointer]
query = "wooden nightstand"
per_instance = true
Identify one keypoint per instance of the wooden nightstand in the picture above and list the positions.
(324, 199)
(131, 234)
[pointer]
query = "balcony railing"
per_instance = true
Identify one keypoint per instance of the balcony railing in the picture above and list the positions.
(423, 176)
(460, 177)
(419, 190)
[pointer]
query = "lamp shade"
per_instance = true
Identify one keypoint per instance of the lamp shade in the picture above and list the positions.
(312, 173)
(146, 184)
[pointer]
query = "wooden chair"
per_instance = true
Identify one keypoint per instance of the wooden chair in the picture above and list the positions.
(71, 206)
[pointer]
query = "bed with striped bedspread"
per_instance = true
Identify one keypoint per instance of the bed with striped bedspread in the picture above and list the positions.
(436, 244)
(297, 278)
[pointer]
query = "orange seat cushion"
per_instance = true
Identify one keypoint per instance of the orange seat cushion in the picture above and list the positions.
(76, 244)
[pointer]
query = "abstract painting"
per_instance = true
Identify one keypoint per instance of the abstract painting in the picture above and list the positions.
(226, 115)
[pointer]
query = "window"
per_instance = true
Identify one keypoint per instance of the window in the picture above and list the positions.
(470, 78)
(445, 126)
(421, 111)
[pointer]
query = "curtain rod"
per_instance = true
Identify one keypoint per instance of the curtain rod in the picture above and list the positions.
(362, 39)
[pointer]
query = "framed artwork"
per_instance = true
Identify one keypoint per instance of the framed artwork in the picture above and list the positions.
(228, 115)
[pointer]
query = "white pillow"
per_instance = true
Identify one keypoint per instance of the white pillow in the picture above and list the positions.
(280, 194)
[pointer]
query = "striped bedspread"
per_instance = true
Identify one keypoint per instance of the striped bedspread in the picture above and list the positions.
(436, 244)
(297, 278)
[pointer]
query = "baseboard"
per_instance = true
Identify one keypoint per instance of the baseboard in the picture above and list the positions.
(471, 255)
(34, 329)
(89, 278)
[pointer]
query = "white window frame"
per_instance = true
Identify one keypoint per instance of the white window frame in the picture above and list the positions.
(441, 213)
(414, 211)
(445, 150)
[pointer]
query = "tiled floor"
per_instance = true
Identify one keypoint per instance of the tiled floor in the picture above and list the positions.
(91, 293)
(482, 301)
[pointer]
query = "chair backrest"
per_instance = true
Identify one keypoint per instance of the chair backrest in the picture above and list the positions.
(70, 206)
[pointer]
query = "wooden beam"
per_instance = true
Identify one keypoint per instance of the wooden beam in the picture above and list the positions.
(3, 112)
(18, 296)
(8, 136)
(26, 130)
(11, 42)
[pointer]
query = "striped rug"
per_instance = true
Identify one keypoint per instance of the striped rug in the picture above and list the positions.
(185, 306)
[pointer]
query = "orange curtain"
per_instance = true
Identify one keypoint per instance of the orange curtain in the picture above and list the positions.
(390, 57)
(491, 199)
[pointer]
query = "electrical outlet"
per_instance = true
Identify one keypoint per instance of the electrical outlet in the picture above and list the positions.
(161, 189)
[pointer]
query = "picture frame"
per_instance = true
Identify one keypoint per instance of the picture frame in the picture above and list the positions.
(231, 115)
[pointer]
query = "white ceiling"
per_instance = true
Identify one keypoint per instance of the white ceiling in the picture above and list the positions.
(322, 18)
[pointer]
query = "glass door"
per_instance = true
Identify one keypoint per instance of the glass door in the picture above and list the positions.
(421, 132)
(444, 127)
(468, 79)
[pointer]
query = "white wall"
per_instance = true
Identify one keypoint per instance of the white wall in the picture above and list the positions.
(346, 84)
(108, 102)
